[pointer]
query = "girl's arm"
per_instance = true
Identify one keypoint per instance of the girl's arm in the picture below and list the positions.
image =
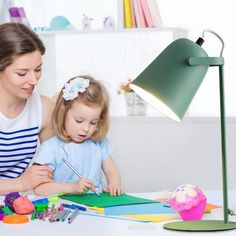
(47, 110)
(80, 186)
(113, 177)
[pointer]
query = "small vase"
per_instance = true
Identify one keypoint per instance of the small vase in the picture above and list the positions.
(135, 105)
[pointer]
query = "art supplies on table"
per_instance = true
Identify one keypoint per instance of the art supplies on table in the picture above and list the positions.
(151, 208)
(105, 200)
(124, 207)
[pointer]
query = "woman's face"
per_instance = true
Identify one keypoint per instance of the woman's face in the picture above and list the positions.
(19, 78)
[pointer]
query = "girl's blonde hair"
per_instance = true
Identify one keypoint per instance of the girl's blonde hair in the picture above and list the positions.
(94, 95)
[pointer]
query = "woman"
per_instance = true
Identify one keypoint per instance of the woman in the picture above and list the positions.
(25, 116)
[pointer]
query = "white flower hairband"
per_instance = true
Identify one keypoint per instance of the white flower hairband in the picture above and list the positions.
(74, 87)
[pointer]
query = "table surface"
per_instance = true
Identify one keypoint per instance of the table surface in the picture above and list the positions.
(88, 225)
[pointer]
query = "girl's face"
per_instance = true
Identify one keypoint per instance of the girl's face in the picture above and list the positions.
(81, 121)
(19, 78)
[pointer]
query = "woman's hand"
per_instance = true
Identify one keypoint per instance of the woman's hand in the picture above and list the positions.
(82, 186)
(34, 176)
(114, 189)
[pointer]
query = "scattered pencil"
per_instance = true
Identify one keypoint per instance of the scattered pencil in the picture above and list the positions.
(73, 216)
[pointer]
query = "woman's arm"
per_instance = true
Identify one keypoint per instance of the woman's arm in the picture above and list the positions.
(32, 177)
(9, 185)
(47, 110)
(113, 177)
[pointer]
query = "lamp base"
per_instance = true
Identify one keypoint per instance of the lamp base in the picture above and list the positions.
(200, 226)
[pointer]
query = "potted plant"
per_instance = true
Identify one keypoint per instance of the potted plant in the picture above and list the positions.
(135, 105)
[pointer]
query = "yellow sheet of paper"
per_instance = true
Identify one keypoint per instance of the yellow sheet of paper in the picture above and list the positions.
(152, 218)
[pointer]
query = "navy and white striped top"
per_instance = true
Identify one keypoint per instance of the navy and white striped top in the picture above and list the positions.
(19, 138)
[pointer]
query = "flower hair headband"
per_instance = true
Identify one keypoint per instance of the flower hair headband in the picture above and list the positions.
(74, 87)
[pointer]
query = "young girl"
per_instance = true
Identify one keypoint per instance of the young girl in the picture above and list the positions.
(80, 120)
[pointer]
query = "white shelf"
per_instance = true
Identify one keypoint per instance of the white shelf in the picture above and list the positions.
(111, 56)
(124, 30)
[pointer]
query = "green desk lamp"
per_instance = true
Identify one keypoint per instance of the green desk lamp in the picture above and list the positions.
(169, 84)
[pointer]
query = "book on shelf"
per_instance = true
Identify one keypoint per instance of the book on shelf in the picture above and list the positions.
(142, 13)
(128, 14)
(132, 14)
(147, 13)
(138, 14)
(17, 14)
(14, 14)
(23, 16)
(155, 13)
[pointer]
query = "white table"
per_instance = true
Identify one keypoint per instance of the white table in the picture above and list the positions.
(85, 225)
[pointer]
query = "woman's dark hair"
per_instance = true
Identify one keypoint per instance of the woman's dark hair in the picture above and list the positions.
(17, 39)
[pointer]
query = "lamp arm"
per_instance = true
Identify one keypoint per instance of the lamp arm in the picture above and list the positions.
(218, 61)
(210, 61)
(223, 145)
(222, 118)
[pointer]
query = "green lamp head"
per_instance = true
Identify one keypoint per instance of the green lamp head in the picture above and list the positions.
(169, 83)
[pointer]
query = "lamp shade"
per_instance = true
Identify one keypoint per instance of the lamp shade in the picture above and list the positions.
(169, 83)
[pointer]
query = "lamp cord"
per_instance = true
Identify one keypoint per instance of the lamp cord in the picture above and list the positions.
(231, 212)
(218, 36)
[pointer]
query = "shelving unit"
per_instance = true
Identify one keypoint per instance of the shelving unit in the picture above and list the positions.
(111, 56)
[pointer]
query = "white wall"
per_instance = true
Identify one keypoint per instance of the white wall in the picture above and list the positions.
(159, 154)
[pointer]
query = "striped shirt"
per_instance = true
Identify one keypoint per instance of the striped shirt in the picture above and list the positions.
(19, 138)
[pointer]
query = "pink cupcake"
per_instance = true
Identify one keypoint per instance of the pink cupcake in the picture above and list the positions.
(189, 201)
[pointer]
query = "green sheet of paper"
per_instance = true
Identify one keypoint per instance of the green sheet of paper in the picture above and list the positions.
(105, 200)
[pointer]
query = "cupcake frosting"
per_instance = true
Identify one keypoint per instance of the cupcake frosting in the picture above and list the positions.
(185, 197)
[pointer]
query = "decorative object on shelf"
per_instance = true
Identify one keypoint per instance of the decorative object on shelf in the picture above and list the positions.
(60, 23)
(108, 23)
(169, 84)
(189, 201)
(125, 87)
(86, 22)
(135, 105)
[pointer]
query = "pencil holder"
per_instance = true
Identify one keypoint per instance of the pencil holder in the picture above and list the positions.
(135, 105)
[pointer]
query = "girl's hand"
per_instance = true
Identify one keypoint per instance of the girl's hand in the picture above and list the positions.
(34, 176)
(82, 186)
(113, 189)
